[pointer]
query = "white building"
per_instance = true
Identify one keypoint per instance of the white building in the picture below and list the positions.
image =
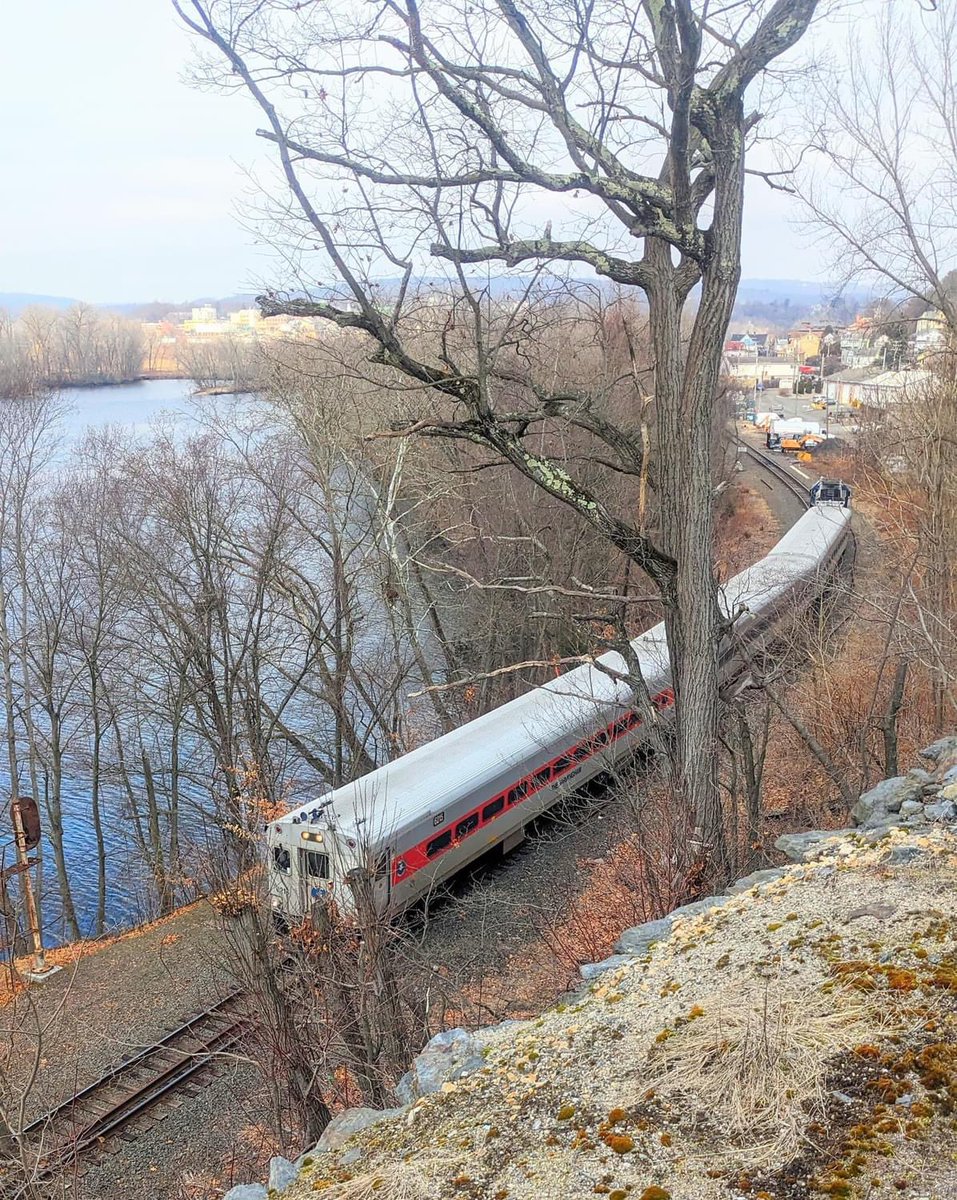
(930, 332)
(873, 387)
(762, 374)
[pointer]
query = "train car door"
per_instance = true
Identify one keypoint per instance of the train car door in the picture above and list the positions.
(383, 879)
(313, 876)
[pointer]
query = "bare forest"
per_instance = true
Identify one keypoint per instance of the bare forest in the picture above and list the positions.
(78, 347)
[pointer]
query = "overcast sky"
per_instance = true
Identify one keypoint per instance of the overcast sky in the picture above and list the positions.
(120, 182)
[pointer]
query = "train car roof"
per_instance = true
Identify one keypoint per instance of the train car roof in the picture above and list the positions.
(402, 792)
(798, 554)
(409, 788)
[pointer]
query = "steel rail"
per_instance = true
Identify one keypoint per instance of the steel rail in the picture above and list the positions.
(776, 469)
(75, 1125)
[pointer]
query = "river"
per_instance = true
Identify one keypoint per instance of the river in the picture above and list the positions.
(134, 407)
(130, 894)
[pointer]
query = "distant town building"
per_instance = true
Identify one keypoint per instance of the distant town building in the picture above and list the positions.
(245, 318)
(930, 332)
(806, 341)
(758, 374)
(761, 344)
(204, 313)
(873, 387)
(861, 345)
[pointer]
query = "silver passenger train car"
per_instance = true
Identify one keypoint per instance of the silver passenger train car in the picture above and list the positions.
(418, 820)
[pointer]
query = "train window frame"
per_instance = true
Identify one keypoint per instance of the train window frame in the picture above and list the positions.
(466, 826)
(493, 808)
(310, 859)
(282, 860)
(439, 844)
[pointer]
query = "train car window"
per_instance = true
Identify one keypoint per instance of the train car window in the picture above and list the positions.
(438, 844)
(633, 720)
(560, 764)
(580, 752)
(464, 828)
(315, 863)
(492, 809)
(281, 859)
(519, 792)
(601, 739)
(542, 776)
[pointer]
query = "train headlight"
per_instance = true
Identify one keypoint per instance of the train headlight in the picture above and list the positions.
(308, 836)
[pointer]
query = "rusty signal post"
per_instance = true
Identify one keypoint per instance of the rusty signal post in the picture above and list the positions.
(26, 836)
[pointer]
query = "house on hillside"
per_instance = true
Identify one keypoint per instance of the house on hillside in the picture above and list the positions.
(930, 332)
(861, 345)
(750, 343)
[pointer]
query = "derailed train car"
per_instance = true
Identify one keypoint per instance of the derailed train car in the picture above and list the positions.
(409, 825)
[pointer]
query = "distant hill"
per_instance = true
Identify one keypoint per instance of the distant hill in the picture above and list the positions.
(784, 302)
(778, 301)
(16, 302)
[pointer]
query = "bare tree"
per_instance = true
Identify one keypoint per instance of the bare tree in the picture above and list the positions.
(885, 205)
(621, 125)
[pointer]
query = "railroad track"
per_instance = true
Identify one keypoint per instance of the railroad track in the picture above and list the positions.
(776, 468)
(83, 1123)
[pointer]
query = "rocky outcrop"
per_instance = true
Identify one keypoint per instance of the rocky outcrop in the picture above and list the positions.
(449, 1055)
(473, 1102)
(920, 795)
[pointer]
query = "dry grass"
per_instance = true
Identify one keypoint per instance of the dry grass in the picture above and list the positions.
(398, 1183)
(758, 1063)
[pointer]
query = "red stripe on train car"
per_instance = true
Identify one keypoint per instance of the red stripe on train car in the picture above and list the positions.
(453, 834)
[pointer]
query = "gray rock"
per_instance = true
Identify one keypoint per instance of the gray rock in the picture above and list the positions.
(899, 856)
(589, 971)
(281, 1173)
(919, 774)
(949, 776)
(945, 810)
(347, 1123)
(948, 793)
(449, 1055)
(885, 798)
(872, 834)
(943, 748)
(351, 1156)
(802, 847)
(697, 907)
(483, 1035)
(246, 1191)
(911, 808)
(757, 878)
(637, 940)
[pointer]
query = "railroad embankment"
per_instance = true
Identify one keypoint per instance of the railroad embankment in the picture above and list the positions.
(795, 1036)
